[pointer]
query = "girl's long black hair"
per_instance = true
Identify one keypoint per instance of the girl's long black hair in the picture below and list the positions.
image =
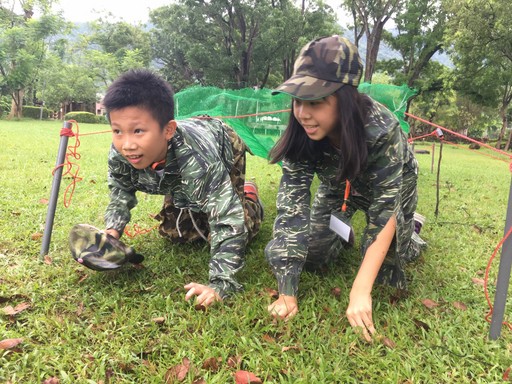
(354, 109)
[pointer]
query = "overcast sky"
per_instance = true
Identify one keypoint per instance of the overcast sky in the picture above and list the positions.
(129, 10)
(88, 10)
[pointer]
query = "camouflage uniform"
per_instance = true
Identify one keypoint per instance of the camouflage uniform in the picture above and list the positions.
(386, 187)
(203, 180)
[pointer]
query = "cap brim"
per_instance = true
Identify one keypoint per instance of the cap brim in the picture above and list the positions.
(307, 87)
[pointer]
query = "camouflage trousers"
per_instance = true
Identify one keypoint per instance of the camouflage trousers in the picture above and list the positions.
(184, 226)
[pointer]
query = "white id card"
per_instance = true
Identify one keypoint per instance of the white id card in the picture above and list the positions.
(339, 226)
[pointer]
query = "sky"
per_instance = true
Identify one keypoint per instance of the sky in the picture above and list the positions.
(129, 10)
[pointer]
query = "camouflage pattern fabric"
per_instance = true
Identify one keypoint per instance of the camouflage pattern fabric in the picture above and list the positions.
(99, 251)
(323, 66)
(182, 226)
(386, 187)
(197, 179)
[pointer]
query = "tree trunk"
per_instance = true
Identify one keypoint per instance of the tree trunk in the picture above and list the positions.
(16, 105)
(507, 146)
(372, 50)
(503, 114)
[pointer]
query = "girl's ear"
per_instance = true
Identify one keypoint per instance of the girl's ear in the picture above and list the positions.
(170, 129)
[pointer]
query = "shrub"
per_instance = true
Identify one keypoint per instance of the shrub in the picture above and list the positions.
(35, 112)
(85, 117)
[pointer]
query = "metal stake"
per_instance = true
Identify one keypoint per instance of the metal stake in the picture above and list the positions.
(54, 193)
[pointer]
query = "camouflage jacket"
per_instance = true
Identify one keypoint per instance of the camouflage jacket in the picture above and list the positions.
(196, 175)
(386, 187)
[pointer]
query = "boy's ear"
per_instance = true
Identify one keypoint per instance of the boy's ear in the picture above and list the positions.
(170, 129)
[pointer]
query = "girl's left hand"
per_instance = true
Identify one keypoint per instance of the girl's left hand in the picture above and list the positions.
(359, 313)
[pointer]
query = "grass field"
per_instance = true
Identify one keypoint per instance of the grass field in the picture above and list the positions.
(133, 325)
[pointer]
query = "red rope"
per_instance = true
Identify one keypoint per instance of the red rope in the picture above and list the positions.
(137, 230)
(486, 280)
(72, 152)
(460, 135)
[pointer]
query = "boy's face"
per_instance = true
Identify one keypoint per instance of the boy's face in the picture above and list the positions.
(138, 136)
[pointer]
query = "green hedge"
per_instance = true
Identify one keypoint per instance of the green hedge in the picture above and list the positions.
(85, 117)
(34, 112)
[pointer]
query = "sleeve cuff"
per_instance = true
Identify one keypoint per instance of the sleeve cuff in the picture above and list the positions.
(288, 284)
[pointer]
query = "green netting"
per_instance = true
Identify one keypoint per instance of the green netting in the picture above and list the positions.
(392, 96)
(260, 118)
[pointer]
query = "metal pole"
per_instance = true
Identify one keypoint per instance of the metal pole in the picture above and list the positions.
(500, 298)
(54, 193)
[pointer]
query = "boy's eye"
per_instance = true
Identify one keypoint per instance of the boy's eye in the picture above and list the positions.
(138, 130)
(116, 131)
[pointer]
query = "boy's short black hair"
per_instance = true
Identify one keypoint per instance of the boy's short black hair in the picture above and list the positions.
(142, 88)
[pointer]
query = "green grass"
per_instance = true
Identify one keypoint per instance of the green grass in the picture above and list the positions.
(89, 327)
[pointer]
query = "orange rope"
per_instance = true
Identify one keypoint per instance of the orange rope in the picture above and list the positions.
(460, 135)
(72, 152)
(486, 280)
(137, 230)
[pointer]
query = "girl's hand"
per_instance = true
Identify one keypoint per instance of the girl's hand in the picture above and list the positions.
(284, 308)
(359, 313)
(205, 295)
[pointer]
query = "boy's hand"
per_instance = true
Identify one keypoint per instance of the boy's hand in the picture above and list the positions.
(113, 232)
(359, 313)
(284, 308)
(205, 295)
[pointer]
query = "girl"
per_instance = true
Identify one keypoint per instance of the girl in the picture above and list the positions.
(363, 161)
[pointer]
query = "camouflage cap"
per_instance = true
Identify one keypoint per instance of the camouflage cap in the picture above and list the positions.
(99, 251)
(324, 65)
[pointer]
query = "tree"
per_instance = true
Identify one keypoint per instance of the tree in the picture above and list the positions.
(233, 44)
(369, 18)
(23, 46)
(419, 34)
(482, 52)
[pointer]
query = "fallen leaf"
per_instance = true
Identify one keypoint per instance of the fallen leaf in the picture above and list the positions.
(246, 377)
(480, 272)
(48, 260)
(234, 361)
(291, 348)
(478, 281)
(421, 324)
(269, 339)
(9, 343)
(9, 310)
(15, 213)
(460, 305)
(388, 342)
(36, 235)
(92, 181)
(506, 374)
(199, 380)
(212, 364)
(51, 380)
(43, 201)
(200, 307)
(477, 229)
(178, 372)
(80, 309)
(158, 320)
(336, 291)
(429, 303)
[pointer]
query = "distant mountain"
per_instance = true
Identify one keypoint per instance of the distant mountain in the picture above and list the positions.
(388, 53)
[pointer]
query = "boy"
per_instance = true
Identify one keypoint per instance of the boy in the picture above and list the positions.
(198, 163)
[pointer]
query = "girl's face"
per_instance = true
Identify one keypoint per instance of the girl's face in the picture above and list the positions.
(318, 117)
